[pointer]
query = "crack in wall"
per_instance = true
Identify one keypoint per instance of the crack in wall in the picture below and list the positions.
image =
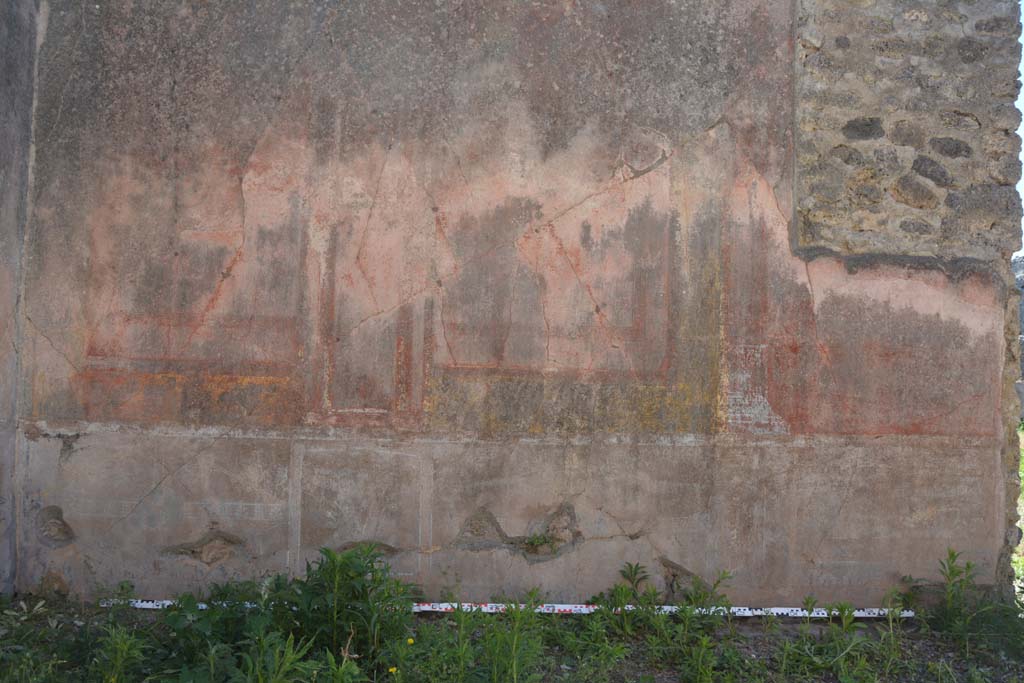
(225, 433)
(554, 535)
(59, 350)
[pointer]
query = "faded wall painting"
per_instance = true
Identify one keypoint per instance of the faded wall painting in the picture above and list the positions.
(415, 271)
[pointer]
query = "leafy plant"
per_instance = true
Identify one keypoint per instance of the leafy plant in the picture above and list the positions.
(842, 650)
(635, 574)
(351, 596)
(709, 600)
(972, 618)
(890, 637)
(534, 542)
(344, 670)
(217, 664)
(273, 658)
(195, 632)
(348, 605)
(593, 651)
(28, 667)
(120, 653)
(617, 612)
(699, 664)
(446, 650)
(513, 643)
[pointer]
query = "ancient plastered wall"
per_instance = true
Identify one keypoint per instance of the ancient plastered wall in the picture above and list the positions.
(446, 277)
(17, 54)
(908, 153)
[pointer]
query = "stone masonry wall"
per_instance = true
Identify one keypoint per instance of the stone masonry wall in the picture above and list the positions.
(907, 129)
(702, 285)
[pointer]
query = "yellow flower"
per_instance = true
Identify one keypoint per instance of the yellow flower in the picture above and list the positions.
(393, 669)
(410, 641)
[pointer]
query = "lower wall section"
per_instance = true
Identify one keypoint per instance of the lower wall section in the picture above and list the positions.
(8, 519)
(173, 510)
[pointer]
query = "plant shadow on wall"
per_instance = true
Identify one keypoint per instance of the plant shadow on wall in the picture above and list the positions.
(350, 620)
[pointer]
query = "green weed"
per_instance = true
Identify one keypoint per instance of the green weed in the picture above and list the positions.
(890, 637)
(119, 656)
(513, 643)
(972, 618)
(535, 542)
(349, 621)
(447, 650)
(273, 658)
(344, 670)
(593, 651)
